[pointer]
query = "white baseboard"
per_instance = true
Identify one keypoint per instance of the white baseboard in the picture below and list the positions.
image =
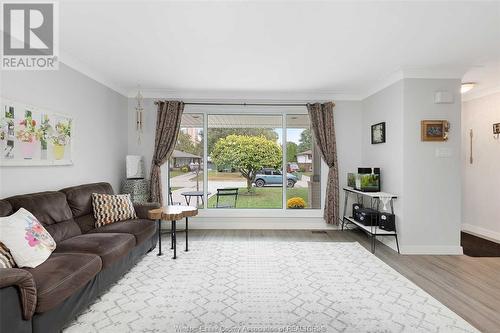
(421, 250)
(481, 232)
(432, 250)
(268, 223)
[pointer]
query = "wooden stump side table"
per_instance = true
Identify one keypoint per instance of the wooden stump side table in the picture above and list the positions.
(172, 214)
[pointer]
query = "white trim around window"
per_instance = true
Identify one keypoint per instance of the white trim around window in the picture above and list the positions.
(280, 218)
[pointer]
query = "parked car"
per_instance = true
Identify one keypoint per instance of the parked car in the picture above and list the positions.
(270, 176)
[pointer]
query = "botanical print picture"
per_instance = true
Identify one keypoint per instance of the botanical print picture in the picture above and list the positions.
(378, 133)
(34, 136)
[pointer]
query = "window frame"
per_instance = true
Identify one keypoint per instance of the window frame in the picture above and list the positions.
(283, 111)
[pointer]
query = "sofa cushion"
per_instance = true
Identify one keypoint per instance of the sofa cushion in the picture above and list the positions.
(61, 275)
(5, 208)
(79, 197)
(141, 229)
(85, 222)
(109, 246)
(52, 210)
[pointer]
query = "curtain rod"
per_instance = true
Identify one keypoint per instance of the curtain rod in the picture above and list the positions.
(241, 104)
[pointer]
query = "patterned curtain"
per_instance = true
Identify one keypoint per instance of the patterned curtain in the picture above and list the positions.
(168, 121)
(321, 116)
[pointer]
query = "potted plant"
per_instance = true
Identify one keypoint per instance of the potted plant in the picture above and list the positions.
(27, 134)
(61, 138)
(3, 129)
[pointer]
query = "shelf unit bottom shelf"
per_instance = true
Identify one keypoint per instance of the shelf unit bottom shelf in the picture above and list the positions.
(372, 230)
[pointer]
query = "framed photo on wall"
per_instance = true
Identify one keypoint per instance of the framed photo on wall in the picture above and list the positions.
(32, 136)
(434, 130)
(496, 128)
(378, 133)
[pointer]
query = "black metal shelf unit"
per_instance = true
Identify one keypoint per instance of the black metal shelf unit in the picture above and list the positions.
(372, 230)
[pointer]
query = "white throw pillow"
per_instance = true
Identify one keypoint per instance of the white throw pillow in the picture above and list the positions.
(26, 238)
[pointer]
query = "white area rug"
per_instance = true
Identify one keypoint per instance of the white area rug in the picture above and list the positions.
(253, 286)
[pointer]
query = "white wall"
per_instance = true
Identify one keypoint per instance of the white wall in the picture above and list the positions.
(428, 187)
(386, 106)
(431, 184)
(100, 129)
(481, 195)
(348, 130)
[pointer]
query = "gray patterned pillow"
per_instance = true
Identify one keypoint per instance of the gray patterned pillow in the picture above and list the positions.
(6, 260)
(109, 208)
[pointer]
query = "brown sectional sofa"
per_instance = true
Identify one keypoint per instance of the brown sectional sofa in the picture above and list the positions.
(85, 263)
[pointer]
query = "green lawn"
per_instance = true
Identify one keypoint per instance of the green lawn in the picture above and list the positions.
(215, 175)
(299, 174)
(266, 197)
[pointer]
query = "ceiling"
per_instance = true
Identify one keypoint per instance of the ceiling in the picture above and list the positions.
(261, 48)
(486, 78)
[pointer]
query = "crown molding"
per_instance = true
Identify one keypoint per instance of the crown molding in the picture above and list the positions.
(268, 96)
(415, 73)
(475, 94)
(444, 72)
(83, 68)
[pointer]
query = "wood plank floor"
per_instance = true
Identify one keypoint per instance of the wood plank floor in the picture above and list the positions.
(468, 286)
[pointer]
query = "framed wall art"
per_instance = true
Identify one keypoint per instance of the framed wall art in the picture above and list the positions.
(34, 136)
(378, 133)
(496, 129)
(435, 130)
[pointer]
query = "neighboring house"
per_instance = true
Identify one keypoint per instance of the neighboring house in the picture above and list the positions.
(304, 160)
(181, 158)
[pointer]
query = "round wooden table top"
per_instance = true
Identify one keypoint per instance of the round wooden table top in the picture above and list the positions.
(172, 213)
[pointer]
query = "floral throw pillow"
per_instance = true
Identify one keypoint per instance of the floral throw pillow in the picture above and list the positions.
(109, 208)
(26, 238)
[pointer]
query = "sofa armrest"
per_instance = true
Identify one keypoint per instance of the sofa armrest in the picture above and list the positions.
(23, 280)
(142, 209)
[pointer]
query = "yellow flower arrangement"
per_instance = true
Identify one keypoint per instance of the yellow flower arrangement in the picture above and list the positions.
(296, 203)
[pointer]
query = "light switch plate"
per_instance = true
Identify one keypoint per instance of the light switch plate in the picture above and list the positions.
(444, 152)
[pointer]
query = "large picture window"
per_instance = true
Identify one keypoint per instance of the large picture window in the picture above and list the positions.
(252, 161)
(186, 163)
(245, 155)
(303, 162)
